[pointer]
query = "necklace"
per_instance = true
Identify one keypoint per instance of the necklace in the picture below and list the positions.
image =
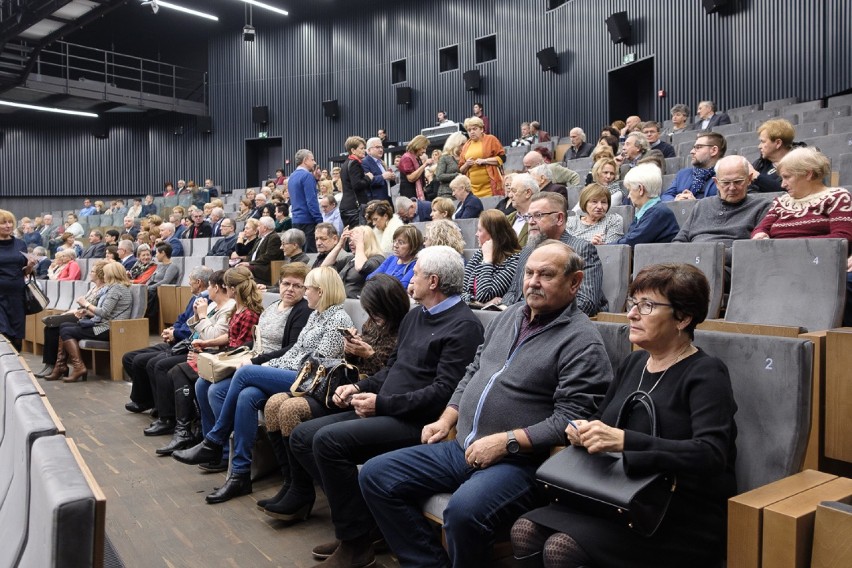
(645, 368)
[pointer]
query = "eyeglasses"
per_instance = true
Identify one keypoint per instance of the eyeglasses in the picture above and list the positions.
(730, 182)
(536, 216)
(400, 242)
(291, 286)
(700, 146)
(645, 307)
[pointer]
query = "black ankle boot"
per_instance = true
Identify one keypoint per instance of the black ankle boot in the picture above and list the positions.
(160, 427)
(181, 440)
(205, 452)
(297, 503)
(278, 442)
(236, 485)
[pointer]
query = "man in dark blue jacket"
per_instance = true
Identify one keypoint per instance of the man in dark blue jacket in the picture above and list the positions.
(373, 164)
(144, 364)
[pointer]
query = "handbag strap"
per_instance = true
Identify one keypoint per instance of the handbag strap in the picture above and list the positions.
(636, 398)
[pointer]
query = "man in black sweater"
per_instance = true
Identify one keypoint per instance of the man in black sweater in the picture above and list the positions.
(436, 342)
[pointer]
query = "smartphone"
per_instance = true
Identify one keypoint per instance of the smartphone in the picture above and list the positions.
(346, 332)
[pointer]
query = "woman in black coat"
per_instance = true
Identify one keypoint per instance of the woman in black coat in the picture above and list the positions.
(356, 183)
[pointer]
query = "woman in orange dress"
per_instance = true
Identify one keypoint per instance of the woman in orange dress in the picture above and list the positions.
(481, 159)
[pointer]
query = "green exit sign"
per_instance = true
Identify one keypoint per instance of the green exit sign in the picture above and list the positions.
(263, 134)
(628, 58)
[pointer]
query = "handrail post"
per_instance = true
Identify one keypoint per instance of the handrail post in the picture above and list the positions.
(106, 73)
(174, 83)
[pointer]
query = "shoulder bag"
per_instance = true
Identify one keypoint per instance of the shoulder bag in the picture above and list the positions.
(320, 377)
(214, 367)
(35, 300)
(598, 484)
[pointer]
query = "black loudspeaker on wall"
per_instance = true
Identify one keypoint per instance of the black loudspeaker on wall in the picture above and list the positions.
(331, 108)
(260, 114)
(205, 124)
(619, 27)
(712, 6)
(472, 80)
(403, 95)
(100, 129)
(548, 59)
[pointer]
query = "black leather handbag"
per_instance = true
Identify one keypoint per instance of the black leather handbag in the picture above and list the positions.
(599, 485)
(320, 377)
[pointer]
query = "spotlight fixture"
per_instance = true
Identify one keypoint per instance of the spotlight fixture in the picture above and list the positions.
(157, 4)
(248, 33)
(267, 7)
(49, 109)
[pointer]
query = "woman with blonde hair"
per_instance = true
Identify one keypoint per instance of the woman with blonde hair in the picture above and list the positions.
(253, 384)
(114, 304)
(13, 266)
(448, 164)
(64, 266)
(444, 232)
(412, 167)
(443, 208)
(481, 159)
(366, 257)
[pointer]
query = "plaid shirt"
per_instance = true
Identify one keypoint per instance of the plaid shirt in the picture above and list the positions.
(240, 327)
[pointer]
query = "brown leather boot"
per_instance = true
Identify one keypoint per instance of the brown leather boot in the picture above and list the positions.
(60, 368)
(78, 369)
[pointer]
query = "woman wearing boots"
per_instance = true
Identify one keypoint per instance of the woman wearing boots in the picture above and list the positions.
(52, 323)
(278, 329)
(114, 304)
(171, 390)
(253, 384)
(386, 303)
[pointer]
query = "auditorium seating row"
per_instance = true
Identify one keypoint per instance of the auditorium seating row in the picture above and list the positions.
(52, 511)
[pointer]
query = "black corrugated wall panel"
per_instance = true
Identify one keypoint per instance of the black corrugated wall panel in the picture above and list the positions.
(754, 51)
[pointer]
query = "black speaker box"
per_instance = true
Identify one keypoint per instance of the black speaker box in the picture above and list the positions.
(331, 108)
(548, 59)
(472, 80)
(712, 6)
(260, 114)
(619, 27)
(403, 95)
(205, 124)
(100, 129)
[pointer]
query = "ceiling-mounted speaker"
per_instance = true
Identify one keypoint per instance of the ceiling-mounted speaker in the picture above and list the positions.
(100, 129)
(548, 59)
(205, 124)
(403, 95)
(619, 27)
(260, 114)
(713, 6)
(331, 108)
(472, 80)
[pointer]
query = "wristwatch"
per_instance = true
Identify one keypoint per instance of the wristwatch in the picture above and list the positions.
(512, 445)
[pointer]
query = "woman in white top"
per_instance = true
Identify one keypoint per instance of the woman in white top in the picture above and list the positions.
(384, 221)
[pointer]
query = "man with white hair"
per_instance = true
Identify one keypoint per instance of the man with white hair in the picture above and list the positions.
(216, 216)
(579, 147)
(382, 177)
(268, 248)
(524, 139)
(522, 190)
(130, 226)
(387, 411)
(560, 174)
(708, 118)
(125, 254)
(331, 213)
(200, 229)
(544, 177)
(167, 235)
(260, 205)
(413, 210)
(653, 221)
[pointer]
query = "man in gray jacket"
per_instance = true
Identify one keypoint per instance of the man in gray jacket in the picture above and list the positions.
(541, 365)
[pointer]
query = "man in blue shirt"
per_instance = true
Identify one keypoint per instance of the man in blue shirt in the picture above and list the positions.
(304, 206)
(88, 208)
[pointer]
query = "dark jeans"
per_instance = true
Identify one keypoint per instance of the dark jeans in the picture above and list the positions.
(330, 449)
(396, 484)
(310, 235)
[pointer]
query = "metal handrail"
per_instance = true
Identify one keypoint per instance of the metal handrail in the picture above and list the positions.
(73, 62)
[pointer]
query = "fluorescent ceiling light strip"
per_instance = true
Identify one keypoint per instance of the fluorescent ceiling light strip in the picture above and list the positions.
(265, 7)
(188, 11)
(49, 109)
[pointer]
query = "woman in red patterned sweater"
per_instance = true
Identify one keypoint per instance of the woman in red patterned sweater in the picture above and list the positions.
(810, 209)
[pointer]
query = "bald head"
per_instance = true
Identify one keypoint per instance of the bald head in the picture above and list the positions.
(532, 159)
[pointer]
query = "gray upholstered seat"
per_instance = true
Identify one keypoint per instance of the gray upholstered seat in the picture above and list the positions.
(355, 311)
(66, 295)
(27, 421)
(627, 212)
(771, 279)
(270, 298)
(200, 247)
(615, 260)
(16, 383)
(216, 262)
(771, 379)
(468, 230)
(707, 257)
(681, 209)
(616, 338)
(51, 289)
(187, 266)
(62, 509)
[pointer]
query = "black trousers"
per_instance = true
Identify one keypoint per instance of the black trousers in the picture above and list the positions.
(177, 377)
(78, 332)
(51, 345)
(310, 235)
(139, 366)
(330, 449)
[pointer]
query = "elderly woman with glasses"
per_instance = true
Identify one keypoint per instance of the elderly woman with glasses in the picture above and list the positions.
(252, 384)
(653, 222)
(695, 409)
(596, 225)
(407, 242)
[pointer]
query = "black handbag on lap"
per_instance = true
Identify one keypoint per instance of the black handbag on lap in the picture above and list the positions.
(599, 485)
(319, 378)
